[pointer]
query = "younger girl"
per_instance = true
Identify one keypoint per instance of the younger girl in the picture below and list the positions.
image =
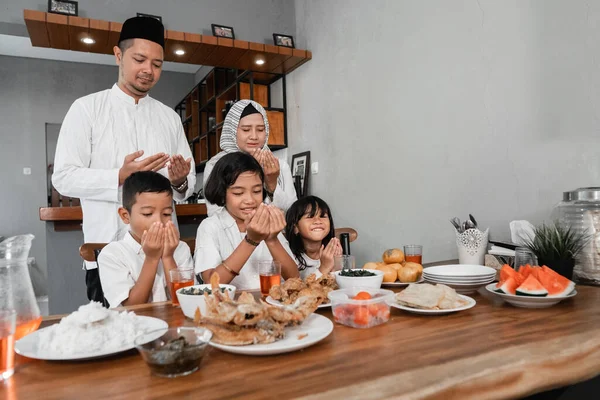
(311, 235)
(244, 230)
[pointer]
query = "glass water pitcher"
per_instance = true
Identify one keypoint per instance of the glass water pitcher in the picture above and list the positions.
(16, 290)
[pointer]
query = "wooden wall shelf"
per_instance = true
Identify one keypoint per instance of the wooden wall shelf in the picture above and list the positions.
(65, 32)
(69, 218)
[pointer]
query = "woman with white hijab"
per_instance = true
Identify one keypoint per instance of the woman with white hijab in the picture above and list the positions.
(246, 129)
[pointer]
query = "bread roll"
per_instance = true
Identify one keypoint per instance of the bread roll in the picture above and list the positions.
(371, 265)
(392, 256)
(408, 274)
(414, 265)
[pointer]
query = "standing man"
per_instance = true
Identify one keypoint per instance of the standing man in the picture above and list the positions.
(107, 136)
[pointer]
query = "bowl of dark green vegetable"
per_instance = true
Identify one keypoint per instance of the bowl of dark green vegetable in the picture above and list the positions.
(192, 297)
(178, 352)
(368, 278)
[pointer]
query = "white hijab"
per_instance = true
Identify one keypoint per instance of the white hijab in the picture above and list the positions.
(228, 141)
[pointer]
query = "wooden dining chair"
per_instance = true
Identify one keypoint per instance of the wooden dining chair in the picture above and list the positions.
(351, 231)
(89, 251)
(191, 242)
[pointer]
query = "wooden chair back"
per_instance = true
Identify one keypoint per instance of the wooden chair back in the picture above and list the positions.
(351, 231)
(89, 251)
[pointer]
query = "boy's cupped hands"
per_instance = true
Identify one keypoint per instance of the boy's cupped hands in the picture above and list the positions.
(160, 241)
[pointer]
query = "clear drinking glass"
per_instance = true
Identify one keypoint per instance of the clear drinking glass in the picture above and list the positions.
(269, 273)
(8, 323)
(344, 261)
(413, 253)
(180, 278)
(524, 256)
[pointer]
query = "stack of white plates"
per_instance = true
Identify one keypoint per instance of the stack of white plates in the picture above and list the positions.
(463, 278)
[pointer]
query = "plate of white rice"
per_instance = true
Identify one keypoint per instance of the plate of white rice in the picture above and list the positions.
(76, 338)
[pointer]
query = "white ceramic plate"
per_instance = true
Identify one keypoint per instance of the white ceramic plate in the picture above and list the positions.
(463, 289)
(459, 270)
(401, 284)
(277, 303)
(316, 328)
(460, 280)
(465, 284)
(471, 304)
(27, 346)
(529, 301)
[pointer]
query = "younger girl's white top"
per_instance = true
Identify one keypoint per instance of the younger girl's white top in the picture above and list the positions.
(312, 267)
(217, 237)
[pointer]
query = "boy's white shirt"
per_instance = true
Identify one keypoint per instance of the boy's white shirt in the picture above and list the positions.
(120, 264)
(216, 239)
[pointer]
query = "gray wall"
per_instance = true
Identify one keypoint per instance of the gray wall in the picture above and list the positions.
(35, 92)
(252, 20)
(418, 111)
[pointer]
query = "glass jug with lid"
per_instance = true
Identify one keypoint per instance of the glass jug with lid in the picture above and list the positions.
(16, 290)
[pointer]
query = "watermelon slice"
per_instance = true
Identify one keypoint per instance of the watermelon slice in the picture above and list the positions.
(508, 286)
(525, 271)
(532, 287)
(555, 284)
(506, 272)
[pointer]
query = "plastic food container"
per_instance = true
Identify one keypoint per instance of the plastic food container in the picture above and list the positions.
(190, 302)
(345, 282)
(360, 313)
(178, 352)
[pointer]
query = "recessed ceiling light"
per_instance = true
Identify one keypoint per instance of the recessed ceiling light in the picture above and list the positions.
(260, 62)
(179, 52)
(88, 40)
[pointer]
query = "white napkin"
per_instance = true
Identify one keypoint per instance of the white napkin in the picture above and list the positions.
(501, 251)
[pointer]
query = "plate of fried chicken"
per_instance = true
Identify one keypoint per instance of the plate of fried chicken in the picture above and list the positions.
(292, 289)
(251, 327)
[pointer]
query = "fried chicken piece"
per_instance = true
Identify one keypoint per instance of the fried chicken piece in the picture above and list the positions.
(246, 298)
(296, 313)
(327, 280)
(316, 291)
(293, 284)
(276, 292)
(234, 335)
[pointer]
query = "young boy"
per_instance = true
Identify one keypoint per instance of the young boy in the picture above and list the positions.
(135, 270)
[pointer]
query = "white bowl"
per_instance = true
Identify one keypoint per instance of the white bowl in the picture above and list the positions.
(345, 282)
(190, 302)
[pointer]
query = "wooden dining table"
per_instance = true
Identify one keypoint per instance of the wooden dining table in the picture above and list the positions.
(491, 351)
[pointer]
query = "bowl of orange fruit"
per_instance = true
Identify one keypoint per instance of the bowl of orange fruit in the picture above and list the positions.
(396, 270)
(360, 307)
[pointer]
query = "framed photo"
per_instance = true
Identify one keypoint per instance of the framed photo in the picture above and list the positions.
(300, 169)
(222, 31)
(158, 17)
(64, 7)
(283, 40)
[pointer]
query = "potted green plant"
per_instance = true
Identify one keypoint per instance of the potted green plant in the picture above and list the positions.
(557, 247)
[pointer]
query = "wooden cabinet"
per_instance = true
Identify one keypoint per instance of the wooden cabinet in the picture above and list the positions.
(203, 110)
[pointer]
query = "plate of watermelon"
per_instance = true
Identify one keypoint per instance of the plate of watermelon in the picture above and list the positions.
(532, 287)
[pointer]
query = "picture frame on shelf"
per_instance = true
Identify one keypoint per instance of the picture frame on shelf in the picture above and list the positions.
(300, 168)
(283, 40)
(158, 17)
(64, 7)
(223, 31)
